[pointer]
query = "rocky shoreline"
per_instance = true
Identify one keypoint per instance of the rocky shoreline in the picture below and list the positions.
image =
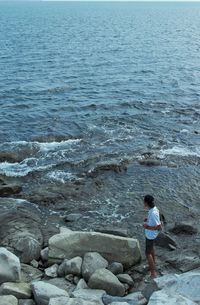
(45, 260)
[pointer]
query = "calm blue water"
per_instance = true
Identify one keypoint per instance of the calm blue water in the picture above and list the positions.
(101, 81)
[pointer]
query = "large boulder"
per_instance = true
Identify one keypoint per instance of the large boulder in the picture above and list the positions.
(19, 290)
(8, 300)
(185, 227)
(10, 269)
(43, 292)
(186, 284)
(91, 262)
(106, 280)
(165, 298)
(112, 248)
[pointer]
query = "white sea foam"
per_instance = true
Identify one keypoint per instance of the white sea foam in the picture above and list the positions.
(181, 151)
(60, 176)
(20, 169)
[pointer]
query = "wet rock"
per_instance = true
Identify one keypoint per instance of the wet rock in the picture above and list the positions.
(21, 229)
(106, 280)
(165, 240)
(150, 162)
(43, 292)
(72, 217)
(112, 248)
(8, 300)
(115, 166)
(10, 189)
(19, 290)
(91, 262)
(184, 228)
(10, 269)
(116, 268)
(11, 157)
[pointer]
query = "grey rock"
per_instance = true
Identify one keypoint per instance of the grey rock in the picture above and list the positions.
(61, 283)
(73, 266)
(59, 301)
(19, 290)
(43, 292)
(10, 269)
(126, 279)
(77, 301)
(29, 273)
(26, 302)
(82, 284)
(112, 248)
(8, 300)
(44, 254)
(114, 231)
(91, 262)
(116, 268)
(186, 284)
(106, 280)
(165, 298)
(184, 261)
(119, 303)
(72, 217)
(150, 162)
(135, 298)
(52, 271)
(89, 294)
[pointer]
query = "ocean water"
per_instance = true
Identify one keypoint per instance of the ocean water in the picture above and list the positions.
(86, 84)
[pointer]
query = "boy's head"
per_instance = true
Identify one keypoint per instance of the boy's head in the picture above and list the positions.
(149, 201)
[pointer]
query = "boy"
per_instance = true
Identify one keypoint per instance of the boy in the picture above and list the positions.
(152, 226)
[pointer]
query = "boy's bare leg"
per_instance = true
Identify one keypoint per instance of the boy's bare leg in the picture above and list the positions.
(151, 263)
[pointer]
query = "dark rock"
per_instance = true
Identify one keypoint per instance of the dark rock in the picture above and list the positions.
(150, 162)
(9, 189)
(116, 167)
(116, 268)
(149, 289)
(184, 228)
(72, 217)
(184, 260)
(164, 240)
(10, 157)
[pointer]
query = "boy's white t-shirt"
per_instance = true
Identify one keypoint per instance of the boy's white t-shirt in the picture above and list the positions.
(153, 219)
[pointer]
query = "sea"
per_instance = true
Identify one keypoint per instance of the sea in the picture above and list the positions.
(88, 86)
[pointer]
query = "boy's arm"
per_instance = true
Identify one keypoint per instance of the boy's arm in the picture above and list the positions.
(158, 227)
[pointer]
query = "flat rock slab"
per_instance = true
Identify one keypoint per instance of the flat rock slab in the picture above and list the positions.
(165, 298)
(19, 290)
(112, 248)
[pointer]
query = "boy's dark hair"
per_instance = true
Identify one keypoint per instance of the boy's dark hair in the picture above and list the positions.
(149, 200)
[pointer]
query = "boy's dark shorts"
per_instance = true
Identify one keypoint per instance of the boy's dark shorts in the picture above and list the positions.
(149, 245)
